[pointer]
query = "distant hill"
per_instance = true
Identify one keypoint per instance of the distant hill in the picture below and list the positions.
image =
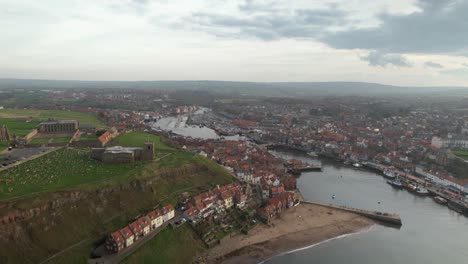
(292, 89)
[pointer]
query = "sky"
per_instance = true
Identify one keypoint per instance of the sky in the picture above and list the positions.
(399, 42)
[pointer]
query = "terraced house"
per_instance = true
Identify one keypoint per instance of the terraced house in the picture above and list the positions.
(139, 228)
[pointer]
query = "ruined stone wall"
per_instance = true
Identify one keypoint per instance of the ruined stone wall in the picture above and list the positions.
(30, 135)
(97, 153)
(122, 157)
(4, 134)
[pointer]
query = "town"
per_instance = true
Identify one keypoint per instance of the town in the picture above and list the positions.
(421, 148)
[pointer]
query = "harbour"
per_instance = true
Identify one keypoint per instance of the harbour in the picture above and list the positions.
(424, 221)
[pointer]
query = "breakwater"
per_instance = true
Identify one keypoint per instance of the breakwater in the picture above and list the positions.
(393, 219)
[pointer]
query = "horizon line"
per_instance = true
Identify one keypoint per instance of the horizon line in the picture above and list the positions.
(230, 81)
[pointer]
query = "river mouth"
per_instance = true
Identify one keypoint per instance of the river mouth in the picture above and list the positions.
(430, 234)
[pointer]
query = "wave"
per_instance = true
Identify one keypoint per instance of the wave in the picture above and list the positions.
(362, 231)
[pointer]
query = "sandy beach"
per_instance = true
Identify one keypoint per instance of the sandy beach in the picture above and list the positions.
(298, 227)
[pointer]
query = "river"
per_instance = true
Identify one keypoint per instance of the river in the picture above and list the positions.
(431, 233)
(178, 125)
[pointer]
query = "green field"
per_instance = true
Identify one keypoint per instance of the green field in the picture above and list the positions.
(136, 139)
(39, 140)
(60, 169)
(66, 168)
(461, 153)
(169, 246)
(61, 140)
(38, 115)
(86, 137)
(17, 126)
(3, 145)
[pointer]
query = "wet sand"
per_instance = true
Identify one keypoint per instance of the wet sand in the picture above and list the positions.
(297, 227)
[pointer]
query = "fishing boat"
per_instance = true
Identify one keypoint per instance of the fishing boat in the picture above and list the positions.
(389, 174)
(440, 200)
(395, 183)
(357, 165)
(417, 190)
(422, 191)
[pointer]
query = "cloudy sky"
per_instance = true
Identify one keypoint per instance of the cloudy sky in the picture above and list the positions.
(401, 42)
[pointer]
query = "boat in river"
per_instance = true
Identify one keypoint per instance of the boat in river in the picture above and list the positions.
(312, 154)
(457, 207)
(417, 190)
(396, 183)
(389, 174)
(357, 165)
(440, 200)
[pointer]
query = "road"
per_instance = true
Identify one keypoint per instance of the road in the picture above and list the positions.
(26, 153)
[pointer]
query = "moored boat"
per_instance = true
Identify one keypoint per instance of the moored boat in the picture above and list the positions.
(395, 183)
(417, 190)
(421, 191)
(389, 174)
(357, 165)
(456, 206)
(440, 200)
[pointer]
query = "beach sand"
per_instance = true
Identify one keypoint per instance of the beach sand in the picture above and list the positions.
(297, 227)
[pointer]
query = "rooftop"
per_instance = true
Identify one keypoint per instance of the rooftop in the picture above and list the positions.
(58, 122)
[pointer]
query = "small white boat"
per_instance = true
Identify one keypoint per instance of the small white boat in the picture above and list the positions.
(422, 191)
(390, 174)
(357, 165)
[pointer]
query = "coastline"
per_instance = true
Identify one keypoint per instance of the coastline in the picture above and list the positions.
(298, 228)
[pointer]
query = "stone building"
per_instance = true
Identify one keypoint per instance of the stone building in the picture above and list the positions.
(59, 126)
(4, 134)
(118, 154)
(452, 141)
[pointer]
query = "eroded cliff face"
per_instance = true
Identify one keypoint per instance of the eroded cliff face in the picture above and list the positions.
(32, 229)
(14, 215)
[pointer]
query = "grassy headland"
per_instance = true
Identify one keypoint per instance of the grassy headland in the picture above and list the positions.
(111, 197)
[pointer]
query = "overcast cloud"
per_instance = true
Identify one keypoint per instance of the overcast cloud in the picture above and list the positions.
(376, 58)
(431, 64)
(402, 42)
(439, 27)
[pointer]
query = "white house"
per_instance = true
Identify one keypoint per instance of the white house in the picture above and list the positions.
(128, 236)
(145, 224)
(168, 213)
(156, 218)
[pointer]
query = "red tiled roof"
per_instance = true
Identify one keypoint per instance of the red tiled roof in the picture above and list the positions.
(135, 227)
(192, 211)
(154, 214)
(168, 208)
(104, 136)
(117, 237)
(143, 221)
(126, 232)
